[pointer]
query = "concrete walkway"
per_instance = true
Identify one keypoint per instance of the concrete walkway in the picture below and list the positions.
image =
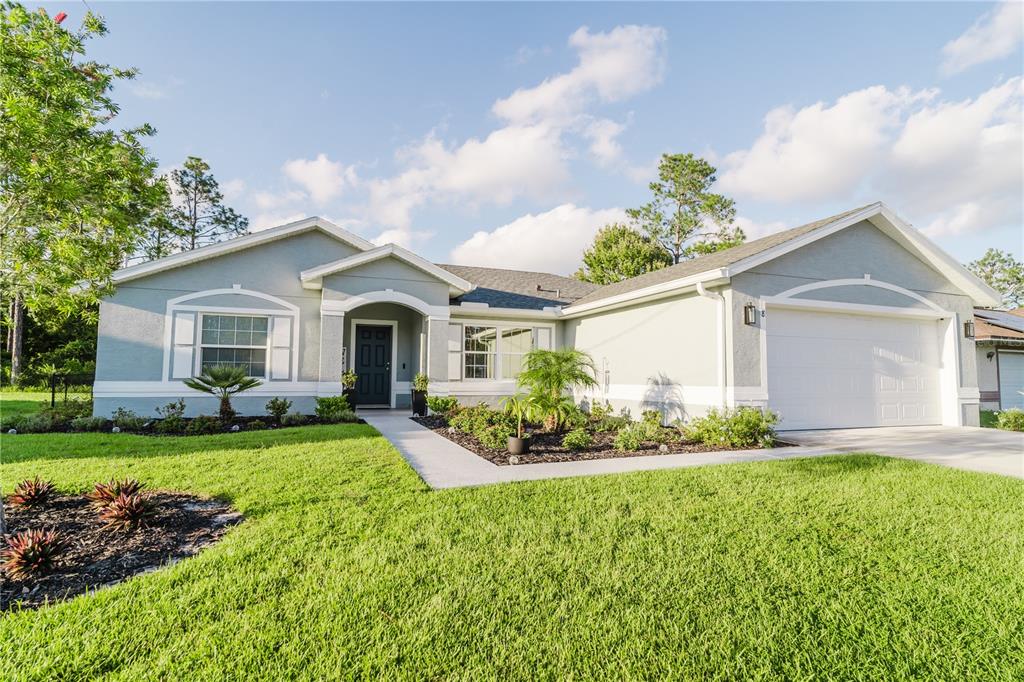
(961, 447)
(444, 464)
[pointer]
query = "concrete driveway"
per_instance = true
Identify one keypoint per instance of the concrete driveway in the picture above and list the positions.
(962, 447)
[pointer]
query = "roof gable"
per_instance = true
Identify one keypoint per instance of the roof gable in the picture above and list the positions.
(313, 277)
(238, 244)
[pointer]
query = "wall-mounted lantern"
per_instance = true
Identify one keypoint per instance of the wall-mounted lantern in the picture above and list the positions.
(969, 329)
(749, 314)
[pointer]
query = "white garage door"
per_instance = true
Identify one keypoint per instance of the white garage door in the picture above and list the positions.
(829, 370)
(1011, 380)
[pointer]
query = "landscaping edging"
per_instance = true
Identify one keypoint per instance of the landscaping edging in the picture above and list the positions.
(97, 557)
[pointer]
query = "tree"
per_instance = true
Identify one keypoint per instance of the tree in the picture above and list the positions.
(685, 217)
(74, 188)
(1004, 273)
(620, 252)
(223, 381)
(548, 374)
(197, 213)
(160, 236)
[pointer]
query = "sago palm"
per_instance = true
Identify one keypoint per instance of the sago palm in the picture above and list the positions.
(223, 381)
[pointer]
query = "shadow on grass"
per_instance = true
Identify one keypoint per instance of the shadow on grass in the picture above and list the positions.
(54, 446)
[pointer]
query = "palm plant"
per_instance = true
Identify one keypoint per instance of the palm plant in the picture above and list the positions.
(520, 408)
(548, 374)
(223, 381)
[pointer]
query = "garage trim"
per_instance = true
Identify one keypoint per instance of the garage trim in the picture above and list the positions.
(949, 373)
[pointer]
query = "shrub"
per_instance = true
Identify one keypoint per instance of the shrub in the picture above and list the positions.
(170, 425)
(420, 382)
(548, 374)
(334, 409)
(128, 512)
(1010, 420)
(126, 420)
(651, 418)
(349, 378)
(599, 411)
(278, 407)
(31, 492)
(104, 493)
(611, 423)
(494, 436)
(31, 553)
(480, 421)
(223, 381)
(445, 405)
(255, 425)
(204, 424)
(742, 427)
(89, 424)
(577, 439)
(40, 422)
(68, 410)
(172, 417)
(631, 437)
(293, 419)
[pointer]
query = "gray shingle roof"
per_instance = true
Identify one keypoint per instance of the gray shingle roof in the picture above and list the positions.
(711, 261)
(517, 288)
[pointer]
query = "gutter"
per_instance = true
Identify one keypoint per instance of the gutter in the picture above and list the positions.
(716, 296)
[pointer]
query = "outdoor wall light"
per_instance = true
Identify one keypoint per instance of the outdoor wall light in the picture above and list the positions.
(969, 329)
(749, 314)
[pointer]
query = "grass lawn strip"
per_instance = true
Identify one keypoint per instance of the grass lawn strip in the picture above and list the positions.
(852, 567)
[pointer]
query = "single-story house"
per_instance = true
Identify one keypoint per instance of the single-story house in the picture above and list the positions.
(999, 340)
(854, 320)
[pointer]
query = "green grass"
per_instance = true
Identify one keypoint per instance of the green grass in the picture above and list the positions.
(14, 402)
(988, 419)
(851, 567)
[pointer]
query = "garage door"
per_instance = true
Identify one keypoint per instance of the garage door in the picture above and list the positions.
(837, 371)
(1011, 380)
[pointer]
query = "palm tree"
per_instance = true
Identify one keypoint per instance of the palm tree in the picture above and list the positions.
(223, 381)
(548, 374)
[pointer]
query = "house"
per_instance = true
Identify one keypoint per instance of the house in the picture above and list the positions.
(854, 320)
(999, 340)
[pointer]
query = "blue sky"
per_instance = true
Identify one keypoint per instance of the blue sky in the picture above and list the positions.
(505, 134)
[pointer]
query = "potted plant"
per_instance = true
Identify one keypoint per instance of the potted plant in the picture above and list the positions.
(519, 407)
(348, 386)
(419, 394)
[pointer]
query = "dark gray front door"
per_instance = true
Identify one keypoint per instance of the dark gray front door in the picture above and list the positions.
(373, 365)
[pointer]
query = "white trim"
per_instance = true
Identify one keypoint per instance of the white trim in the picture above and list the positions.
(176, 389)
(394, 351)
(855, 308)
(238, 244)
(548, 313)
(345, 305)
(235, 291)
(719, 300)
(855, 282)
(477, 387)
(709, 278)
(313, 277)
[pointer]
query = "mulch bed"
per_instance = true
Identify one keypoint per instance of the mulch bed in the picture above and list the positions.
(547, 447)
(96, 557)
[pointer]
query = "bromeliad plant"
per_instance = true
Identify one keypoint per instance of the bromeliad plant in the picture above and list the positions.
(104, 493)
(31, 553)
(548, 375)
(31, 492)
(128, 512)
(223, 381)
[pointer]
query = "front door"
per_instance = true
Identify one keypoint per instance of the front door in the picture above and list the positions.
(373, 365)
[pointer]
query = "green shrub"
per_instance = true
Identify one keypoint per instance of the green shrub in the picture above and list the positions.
(170, 425)
(334, 410)
(495, 436)
(255, 425)
(420, 382)
(293, 419)
(631, 437)
(89, 424)
(204, 424)
(66, 411)
(1010, 420)
(126, 420)
(651, 418)
(611, 423)
(486, 425)
(278, 407)
(40, 422)
(599, 411)
(444, 405)
(577, 439)
(172, 409)
(744, 427)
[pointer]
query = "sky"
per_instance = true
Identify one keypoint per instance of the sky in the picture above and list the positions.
(505, 135)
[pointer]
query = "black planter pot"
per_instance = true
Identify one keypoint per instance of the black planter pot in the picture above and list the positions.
(419, 403)
(518, 446)
(350, 395)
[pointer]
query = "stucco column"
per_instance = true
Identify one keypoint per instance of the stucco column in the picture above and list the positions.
(437, 354)
(332, 336)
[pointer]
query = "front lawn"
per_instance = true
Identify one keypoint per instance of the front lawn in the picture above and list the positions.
(26, 402)
(850, 567)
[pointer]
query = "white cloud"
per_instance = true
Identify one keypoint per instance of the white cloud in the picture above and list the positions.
(266, 220)
(612, 66)
(819, 152)
(604, 145)
(403, 237)
(233, 189)
(755, 230)
(996, 34)
(322, 178)
(552, 241)
(148, 90)
(266, 201)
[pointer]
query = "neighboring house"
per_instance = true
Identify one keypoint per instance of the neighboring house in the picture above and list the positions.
(999, 339)
(855, 320)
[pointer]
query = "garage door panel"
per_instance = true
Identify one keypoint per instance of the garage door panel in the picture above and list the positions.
(832, 370)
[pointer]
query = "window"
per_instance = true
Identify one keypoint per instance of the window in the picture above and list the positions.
(239, 340)
(515, 344)
(481, 349)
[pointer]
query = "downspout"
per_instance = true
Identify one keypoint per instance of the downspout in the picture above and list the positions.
(715, 296)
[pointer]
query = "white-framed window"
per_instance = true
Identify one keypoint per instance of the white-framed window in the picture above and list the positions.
(482, 350)
(237, 340)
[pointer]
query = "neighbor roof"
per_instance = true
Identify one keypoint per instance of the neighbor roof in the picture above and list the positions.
(500, 288)
(999, 324)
